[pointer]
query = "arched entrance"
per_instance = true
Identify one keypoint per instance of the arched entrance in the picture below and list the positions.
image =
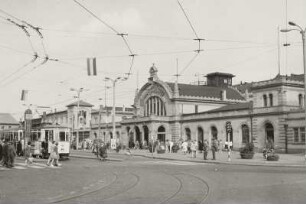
(188, 134)
(138, 136)
(200, 138)
(214, 132)
(146, 134)
(245, 134)
(269, 130)
(131, 137)
(161, 134)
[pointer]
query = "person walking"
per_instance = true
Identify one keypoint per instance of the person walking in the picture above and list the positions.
(184, 147)
(11, 154)
(52, 155)
(27, 154)
(5, 153)
(193, 148)
(56, 156)
(170, 145)
(205, 149)
(214, 148)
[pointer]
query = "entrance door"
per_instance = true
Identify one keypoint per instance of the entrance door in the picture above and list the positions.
(200, 138)
(269, 135)
(161, 134)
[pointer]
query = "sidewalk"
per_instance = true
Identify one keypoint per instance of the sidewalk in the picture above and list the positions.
(291, 160)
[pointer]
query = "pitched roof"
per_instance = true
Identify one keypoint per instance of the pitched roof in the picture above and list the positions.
(243, 87)
(6, 118)
(232, 107)
(206, 91)
(81, 103)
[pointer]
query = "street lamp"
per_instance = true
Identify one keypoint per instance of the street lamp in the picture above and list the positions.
(300, 29)
(78, 106)
(114, 98)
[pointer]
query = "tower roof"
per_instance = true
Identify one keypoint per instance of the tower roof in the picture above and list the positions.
(81, 103)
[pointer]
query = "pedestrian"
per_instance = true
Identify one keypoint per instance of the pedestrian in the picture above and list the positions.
(52, 155)
(214, 148)
(167, 146)
(185, 147)
(189, 146)
(11, 153)
(193, 148)
(56, 156)
(95, 145)
(19, 149)
(170, 145)
(27, 154)
(103, 152)
(5, 153)
(205, 149)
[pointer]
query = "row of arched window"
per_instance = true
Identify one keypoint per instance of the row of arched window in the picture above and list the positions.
(214, 132)
(267, 100)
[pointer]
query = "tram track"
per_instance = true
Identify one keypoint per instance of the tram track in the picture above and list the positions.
(175, 196)
(108, 191)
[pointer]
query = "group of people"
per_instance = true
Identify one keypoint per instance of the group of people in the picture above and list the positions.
(54, 155)
(192, 146)
(7, 154)
(99, 148)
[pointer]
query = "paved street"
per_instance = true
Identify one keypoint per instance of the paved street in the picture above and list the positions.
(125, 179)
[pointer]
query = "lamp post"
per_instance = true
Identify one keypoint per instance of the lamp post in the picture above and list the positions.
(300, 29)
(78, 106)
(114, 81)
(99, 125)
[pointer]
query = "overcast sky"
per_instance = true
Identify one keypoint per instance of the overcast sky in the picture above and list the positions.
(240, 38)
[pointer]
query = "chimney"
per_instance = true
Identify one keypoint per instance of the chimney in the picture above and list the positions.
(223, 95)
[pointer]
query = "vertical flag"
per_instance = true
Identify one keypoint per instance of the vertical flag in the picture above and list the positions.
(91, 67)
(24, 95)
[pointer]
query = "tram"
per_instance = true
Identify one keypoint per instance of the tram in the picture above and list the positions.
(41, 140)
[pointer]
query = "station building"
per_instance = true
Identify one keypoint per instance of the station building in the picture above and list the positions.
(258, 111)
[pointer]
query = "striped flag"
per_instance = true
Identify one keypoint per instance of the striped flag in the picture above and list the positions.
(91, 67)
(24, 95)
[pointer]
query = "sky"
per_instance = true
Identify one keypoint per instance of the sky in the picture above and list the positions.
(240, 37)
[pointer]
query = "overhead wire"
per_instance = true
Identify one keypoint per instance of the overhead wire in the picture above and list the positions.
(122, 35)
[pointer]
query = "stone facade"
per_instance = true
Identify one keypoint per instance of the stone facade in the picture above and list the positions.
(264, 110)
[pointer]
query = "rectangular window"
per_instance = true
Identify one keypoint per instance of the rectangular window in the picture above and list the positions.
(296, 134)
(302, 133)
(62, 136)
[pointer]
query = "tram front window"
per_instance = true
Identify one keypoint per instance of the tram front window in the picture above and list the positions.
(62, 136)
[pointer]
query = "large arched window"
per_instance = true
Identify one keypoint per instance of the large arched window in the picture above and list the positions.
(155, 106)
(214, 132)
(265, 100)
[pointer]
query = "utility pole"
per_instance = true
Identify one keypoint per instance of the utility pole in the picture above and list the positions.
(113, 144)
(78, 107)
(99, 125)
